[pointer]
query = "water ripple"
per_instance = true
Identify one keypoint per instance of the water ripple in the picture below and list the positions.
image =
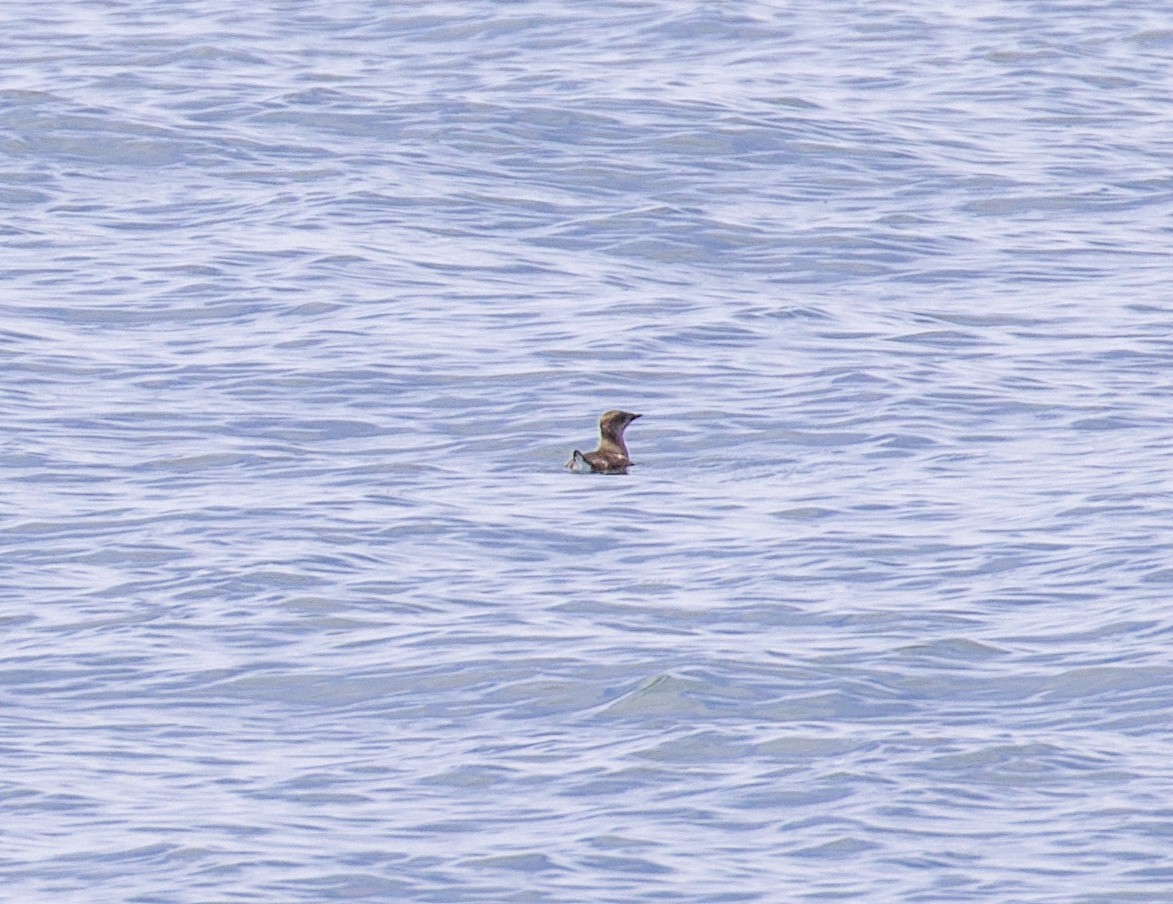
(306, 308)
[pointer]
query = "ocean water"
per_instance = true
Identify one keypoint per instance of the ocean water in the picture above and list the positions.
(303, 308)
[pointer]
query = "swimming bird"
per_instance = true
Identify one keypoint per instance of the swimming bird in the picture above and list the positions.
(611, 457)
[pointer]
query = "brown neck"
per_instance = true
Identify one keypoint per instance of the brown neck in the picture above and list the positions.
(609, 442)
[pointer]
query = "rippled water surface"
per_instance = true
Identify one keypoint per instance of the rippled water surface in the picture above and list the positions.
(305, 306)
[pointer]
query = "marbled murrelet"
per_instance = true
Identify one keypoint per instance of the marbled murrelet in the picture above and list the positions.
(611, 457)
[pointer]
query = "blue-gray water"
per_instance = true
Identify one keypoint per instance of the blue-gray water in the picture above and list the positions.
(304, 306)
